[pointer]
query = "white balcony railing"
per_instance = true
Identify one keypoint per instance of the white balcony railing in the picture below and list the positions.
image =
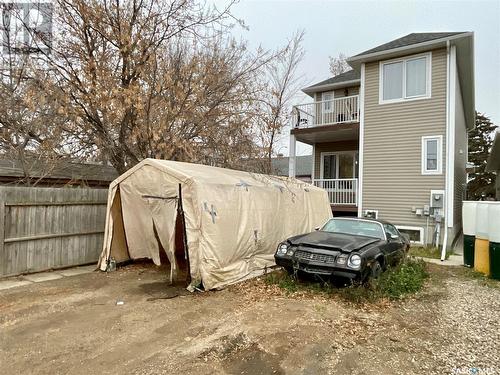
(341, 191)
(327, 112)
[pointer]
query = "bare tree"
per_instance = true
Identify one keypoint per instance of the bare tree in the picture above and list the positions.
(127, 80)
(338, 65)
(31, 129)
(280, 86)
(141, 79)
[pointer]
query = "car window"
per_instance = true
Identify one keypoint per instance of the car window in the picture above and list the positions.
(391, 230)
(355, 227)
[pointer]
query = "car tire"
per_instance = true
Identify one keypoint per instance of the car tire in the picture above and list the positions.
(289, 270)
(376, 270)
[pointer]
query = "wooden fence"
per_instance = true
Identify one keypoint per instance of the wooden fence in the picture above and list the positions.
(48, 228)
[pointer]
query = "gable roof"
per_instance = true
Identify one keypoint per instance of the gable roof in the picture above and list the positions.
(411, 44)
(350, 76)
(407, 40)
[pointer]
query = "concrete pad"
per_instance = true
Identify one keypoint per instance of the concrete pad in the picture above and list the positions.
(43, 276)
(453, 260)
(7, 284)
(90, 268)
(76, 271)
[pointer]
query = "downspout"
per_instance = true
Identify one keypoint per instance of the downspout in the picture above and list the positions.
(445, 239)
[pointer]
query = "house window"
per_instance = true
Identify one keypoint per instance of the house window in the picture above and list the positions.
(416, 234)
(432, 154)
(327, 98)
(405, 79)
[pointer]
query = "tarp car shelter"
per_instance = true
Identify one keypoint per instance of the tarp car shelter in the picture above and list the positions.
(217, 225)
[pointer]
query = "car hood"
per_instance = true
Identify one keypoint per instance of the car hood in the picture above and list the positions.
(327, 240)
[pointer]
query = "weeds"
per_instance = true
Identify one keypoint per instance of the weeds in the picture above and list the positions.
(427, 252)
(406, 278)
(396, 283)
(482, 278)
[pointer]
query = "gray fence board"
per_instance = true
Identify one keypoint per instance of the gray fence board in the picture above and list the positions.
(49, 228)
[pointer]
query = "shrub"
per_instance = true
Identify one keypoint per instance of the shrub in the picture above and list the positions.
(398, 282)
(406, 278)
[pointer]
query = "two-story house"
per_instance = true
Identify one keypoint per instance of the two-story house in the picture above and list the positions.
(389, 137)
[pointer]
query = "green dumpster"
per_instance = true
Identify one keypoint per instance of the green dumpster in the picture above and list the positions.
(494, 234)
(469, 250)
(495, 260)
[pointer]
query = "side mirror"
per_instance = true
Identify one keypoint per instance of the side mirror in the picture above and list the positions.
(317, 228)
(390, 236)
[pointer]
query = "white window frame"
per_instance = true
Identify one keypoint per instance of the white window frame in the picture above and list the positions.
(404, 98)
(323, 94)
(420, 229)
(337, 153)
(365, 212)
(439, 139)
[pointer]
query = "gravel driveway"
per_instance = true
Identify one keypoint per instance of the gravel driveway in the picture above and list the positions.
(73, 325)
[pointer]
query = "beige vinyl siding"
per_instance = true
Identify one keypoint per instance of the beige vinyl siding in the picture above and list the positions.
(353, 90)
(339, 93)
(392, 179)
(460, 157)
(351, 145)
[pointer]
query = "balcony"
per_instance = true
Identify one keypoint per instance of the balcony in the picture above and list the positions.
(341, 191)
(327, 112)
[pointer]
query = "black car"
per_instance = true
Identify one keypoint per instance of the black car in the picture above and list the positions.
(352, 248)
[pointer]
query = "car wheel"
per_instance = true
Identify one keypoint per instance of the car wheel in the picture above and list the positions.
(376, 270)
(289, 270)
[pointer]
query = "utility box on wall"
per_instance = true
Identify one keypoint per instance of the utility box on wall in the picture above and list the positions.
(437, 200)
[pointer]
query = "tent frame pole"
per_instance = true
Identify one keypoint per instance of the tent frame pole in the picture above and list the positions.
(180, 211)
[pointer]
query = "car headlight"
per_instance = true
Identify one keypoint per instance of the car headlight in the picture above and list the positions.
(282, 249)
(341, 259)
(354, 261)
(290, 251)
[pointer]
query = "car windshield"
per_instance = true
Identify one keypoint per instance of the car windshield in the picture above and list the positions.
(355, 227)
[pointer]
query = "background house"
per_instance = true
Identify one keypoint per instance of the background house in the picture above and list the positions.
(303, 167)
(54, 174)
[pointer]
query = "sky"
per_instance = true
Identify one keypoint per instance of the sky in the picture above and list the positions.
(349, 27)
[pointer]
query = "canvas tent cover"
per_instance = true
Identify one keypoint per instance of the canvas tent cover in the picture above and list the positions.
(234, 220)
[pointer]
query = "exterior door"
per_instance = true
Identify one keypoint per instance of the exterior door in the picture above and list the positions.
(339, 168)
(327, 108)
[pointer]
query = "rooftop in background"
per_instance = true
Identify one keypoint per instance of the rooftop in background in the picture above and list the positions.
(61, 173)
(303, 166)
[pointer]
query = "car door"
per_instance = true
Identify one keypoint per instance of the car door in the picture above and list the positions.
(395, 244)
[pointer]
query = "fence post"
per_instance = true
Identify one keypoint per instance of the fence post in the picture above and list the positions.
(2, 231)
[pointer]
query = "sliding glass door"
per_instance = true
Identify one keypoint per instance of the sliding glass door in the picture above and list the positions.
(338, 173)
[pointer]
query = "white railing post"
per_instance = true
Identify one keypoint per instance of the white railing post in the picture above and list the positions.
(341, 191)
(327, 112)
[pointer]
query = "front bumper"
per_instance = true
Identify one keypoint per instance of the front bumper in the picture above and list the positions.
(318, 268)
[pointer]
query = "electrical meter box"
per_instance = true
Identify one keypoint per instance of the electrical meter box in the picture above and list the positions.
(437, 200)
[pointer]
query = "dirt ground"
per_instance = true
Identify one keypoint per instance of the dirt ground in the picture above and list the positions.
(74, 326)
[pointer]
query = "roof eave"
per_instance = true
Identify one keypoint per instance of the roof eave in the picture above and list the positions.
(314, 89)
(355, 61)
